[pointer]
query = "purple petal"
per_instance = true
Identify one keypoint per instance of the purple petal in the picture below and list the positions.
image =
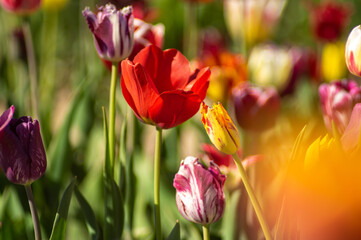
(91, 19)
(5, 118)
(36, 152)
(13, 159)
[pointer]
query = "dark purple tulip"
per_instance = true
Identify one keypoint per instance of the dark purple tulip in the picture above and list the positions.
(22, 154)
(256, 108)
(113, 31)
(199, 196)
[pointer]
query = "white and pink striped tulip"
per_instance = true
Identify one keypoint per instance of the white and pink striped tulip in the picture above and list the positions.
(199, 196)
(113, 31)
(337, 101)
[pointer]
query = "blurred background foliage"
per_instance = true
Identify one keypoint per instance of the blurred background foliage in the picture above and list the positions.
(73, 86)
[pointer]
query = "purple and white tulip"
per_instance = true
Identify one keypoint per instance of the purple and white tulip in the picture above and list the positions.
(22, 154)
(199, 196)
(337, 101)
(113, 31)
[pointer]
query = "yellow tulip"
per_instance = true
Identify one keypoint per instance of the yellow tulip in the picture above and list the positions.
(333, 64)
(220, 128)
(54, 5)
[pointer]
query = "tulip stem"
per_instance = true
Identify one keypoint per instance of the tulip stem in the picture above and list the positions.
(111, 133)
(206, 235)
(252, 196)
(32, 69)
(34, 212)
(157, 152)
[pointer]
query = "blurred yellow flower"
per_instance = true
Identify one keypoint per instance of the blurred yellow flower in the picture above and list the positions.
(270, 65)
(333, 62)
(220, 128)
(252, 20)
(54, 5)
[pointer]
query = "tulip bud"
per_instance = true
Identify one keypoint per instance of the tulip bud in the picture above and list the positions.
(337, 101)
(22, 154)
(199, 196)
(22, 7)
(353, 51)
(220, 128)
(256, 109)
(112, 30)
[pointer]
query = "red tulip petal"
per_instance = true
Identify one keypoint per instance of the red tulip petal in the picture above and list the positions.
(173, 108)
(169, 69)
(150, 58)
(200, 83)
(138, 89)
(174, 71)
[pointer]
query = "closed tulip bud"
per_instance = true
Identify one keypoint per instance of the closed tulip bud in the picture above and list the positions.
(220, 128)
(353, 51)
(22, 7)
(22, 154)
(256, 108)
(199, 195)
(337, 101)
(113, 31)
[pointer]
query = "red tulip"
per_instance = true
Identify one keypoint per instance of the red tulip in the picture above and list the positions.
(21, 7)
(161, 88)
(329, 19)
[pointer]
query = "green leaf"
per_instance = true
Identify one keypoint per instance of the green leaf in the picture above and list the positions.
(123, 157)
(58, 151)
(175, 233)
(91, 221)
(113, 201)
(59, 226)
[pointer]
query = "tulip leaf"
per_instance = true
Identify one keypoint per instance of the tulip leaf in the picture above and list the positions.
(296, 147)
(59, 226)
(58, 151)
(123, 157)
(113, 200)
(90, 219)
(175, 233)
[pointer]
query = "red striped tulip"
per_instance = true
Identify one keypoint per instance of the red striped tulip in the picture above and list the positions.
(353, 51)
(199, 196)
(113, 31)
(220, 128)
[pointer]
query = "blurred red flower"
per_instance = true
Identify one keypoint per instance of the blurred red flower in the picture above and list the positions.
(161, 88)
(329, 19)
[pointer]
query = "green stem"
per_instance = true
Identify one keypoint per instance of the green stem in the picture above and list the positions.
(32, 69)
(252, 196)
(34, 212)
(111, 134)
(157, 151)
(206, 235)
